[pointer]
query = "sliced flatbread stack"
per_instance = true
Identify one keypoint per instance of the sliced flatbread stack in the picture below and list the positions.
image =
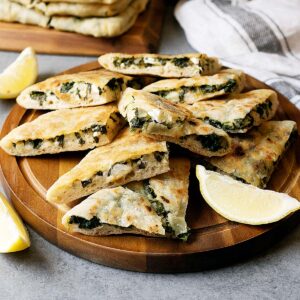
(65, 130)
(238, 113)
(163, 120)
(75, 90)
(154, 207)
(130, 157)
(98, 19)
(183, 65)
(257, 152)
(191, 90)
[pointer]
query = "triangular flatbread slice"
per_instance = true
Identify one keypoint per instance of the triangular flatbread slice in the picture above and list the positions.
(180, 65)
(75, 90)
(238, 113)
(65, 130)
(154, 207)
(163, 120)
(257, 152)
(191, 90)
(129, 157)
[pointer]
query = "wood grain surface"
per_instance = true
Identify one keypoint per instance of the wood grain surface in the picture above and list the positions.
(215, 241)
(142, 37)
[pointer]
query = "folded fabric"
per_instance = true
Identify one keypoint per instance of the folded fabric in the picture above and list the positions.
(261, 37)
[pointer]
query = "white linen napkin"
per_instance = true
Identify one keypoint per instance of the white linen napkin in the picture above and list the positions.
(262, 37)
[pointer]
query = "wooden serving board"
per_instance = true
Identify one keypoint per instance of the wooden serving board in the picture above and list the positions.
(142, 37)
(214, 240)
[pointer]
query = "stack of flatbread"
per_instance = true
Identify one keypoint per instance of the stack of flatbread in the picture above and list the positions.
(99, 18)
(127, 114)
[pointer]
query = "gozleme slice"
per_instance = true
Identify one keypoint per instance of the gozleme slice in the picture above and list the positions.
(114, 211)
(165, 121)
(75, 90)
(131, 156)
(152, 207)
(65, 130)
(180, 65)
(257, 152)
(238, 113)
(194, 89)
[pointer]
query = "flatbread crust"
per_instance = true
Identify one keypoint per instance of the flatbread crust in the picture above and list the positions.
(180, 65)
(14, 12)
(191, 90)
(257, 152)
(238, 113)
(102, 27)
(84, 1)
(155, 207)
(75, 90)
(129, 157)
(65, 130)
(82, 9)
(163, 120)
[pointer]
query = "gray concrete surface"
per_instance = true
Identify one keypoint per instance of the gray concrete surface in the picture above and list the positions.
(46, 272)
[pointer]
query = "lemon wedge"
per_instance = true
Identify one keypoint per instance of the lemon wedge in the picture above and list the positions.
(243, 203)
(13, 234)
(20, 74)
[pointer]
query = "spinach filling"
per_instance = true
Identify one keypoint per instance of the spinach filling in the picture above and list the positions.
(99, 128)
(136, 83)
(66, 87)
(84, 223)
(181, 62)
(263, 109)
(212, 142)
(61, 140)
(115, 84)
(39, 96)
(138, 162)
(140, 122)
(127, 62)
(85, 183)
(243, 123)
(80, 139)
(159, 156)
(92, 223)
(237, 124)
(36, 144)
(227, 87)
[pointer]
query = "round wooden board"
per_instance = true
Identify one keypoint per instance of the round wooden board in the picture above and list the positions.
(214, 241)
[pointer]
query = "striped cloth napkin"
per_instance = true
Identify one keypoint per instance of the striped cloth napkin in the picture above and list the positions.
(262, 37)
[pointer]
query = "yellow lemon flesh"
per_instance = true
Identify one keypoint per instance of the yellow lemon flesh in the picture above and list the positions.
(13, 234)
(19, 75)
(243, 203)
